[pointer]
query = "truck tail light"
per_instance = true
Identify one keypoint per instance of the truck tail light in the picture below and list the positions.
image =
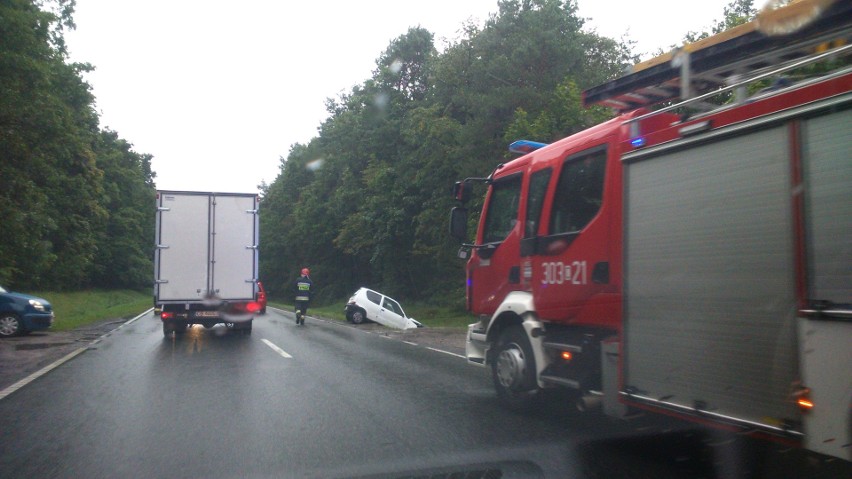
(253, 307)
(803, 399)
(165, 315)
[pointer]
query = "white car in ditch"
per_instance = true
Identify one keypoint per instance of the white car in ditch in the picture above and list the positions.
(369, 305)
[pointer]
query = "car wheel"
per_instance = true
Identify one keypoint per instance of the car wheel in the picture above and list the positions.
(357, 316)
(513, 370)
(10, 325)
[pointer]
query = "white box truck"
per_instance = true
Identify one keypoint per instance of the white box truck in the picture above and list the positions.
(205, 260)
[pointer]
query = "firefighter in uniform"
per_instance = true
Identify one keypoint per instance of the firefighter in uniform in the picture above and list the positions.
(303, 288)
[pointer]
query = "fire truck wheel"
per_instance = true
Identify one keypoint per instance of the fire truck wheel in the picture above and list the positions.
(513, 369)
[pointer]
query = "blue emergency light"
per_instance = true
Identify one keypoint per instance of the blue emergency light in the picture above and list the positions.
(638, 142)
(525, 146)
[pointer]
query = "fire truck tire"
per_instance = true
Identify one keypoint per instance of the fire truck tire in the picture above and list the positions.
(513, 369)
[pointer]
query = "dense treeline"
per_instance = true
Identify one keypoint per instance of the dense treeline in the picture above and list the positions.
(366, 203)
(76, 202)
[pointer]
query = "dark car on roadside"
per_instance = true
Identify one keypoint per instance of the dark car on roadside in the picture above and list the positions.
(21, 313)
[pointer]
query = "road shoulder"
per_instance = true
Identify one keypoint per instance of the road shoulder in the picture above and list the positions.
(21, 356)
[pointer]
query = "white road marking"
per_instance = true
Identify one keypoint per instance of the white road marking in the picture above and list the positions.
(367, 331)
(41, 372)
(447, 352)
(277, 349)
(59, 362)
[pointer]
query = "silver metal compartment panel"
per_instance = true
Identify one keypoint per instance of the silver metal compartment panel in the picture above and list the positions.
(710, 317)
(826, 343)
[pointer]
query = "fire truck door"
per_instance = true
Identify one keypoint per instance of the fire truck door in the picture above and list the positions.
(494, 268)
(575, 241)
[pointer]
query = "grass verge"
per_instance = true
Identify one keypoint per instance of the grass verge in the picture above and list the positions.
(81, 308)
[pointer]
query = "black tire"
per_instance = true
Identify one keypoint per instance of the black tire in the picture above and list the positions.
(168, 329)
(513, 370)
(10, 325)
(242, 327)
(180, 328)
(357, 316)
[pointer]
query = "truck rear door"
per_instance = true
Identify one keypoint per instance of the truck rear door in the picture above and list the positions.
(183, 246)
(234, 246)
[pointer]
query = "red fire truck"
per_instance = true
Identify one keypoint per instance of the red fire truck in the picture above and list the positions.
(694, 260)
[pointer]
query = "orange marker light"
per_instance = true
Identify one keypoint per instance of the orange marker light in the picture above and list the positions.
(805, 404)
(566, 355)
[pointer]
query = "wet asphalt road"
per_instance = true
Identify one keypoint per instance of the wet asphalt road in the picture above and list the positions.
(322, 400)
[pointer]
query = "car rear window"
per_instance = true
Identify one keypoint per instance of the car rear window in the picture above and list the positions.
(374, 297)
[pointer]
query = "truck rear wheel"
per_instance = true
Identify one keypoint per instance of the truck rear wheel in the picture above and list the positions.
(168, 329)
(513, 369)
(243, 327)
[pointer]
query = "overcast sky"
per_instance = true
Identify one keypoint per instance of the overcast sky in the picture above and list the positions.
(218, 91)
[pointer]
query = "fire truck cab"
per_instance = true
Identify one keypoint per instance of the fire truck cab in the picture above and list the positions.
(695, 259)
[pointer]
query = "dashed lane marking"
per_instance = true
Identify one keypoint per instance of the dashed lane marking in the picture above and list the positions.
(373, 333)
(277, 349)
(446, 352)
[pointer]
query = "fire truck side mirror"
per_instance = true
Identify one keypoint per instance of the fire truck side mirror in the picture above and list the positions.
(458, 223)
(462, 191)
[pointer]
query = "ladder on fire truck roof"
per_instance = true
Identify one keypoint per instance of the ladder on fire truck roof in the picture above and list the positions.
(736, 56)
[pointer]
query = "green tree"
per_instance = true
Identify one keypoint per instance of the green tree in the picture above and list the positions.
(124, 244)
(372, 211)
(49, 181)
(69, 207)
